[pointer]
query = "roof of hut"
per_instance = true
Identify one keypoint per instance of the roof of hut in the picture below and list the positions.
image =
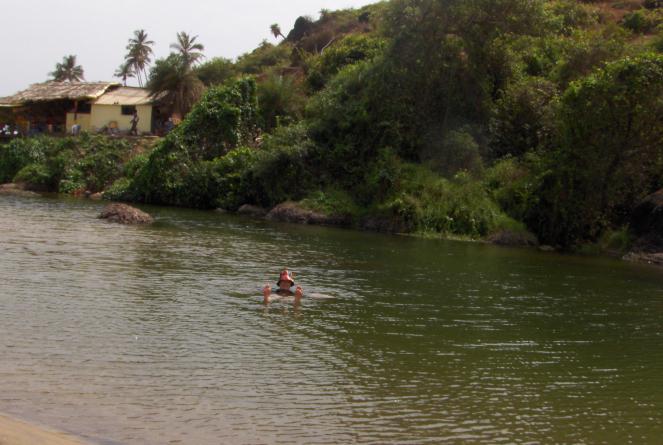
(52, 90)
(126, 96)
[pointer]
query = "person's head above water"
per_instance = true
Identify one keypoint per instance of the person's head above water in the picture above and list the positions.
(285, 280)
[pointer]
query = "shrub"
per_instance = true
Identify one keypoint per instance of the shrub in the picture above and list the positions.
(280, 101)
(513, 182)
(18, 153)
(457, 151)
(523, 119)
(332, 201)
(653, 4)
(223, 119)
(642, 21)
(181, 169)
(347, 51)
(120, 190)
(264, 57)
(282, 169)
(215, 71)
(36, 176)
(609, 154)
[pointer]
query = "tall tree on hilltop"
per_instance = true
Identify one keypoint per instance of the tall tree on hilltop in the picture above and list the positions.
(188, 49)
(125, 71)
(139, 54)
(276, 31)
(68, 71)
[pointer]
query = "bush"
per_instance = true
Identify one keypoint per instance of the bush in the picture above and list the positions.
(18, 153)
(347, 51)
(642, 21)
(331, 201)
(215, 71)
(182, 168)
(264, 57)
(566, 15)
(283, 168)
(36, 176)
(512, 184)
(609, 154)
(457, 151)
(280, 101)
(523, 119)
(653, 4)
(120, 190)
(224, 118)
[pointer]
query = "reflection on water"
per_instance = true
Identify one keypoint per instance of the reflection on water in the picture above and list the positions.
(157, 335)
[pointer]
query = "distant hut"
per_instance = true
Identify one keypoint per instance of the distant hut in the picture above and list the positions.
(55, 107)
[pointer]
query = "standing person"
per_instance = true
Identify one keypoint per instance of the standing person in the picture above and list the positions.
(286, 287)
(169, 125)
(134, 124)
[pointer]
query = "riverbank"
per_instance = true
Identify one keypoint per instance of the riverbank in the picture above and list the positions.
(17, 432)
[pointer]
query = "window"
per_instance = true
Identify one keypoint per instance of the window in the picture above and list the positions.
(128, 110)
(84, 108)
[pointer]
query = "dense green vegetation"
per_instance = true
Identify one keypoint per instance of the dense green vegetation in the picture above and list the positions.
(65, 165)
(431, 116)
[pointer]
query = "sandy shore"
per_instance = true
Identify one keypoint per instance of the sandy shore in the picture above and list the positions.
(16, 432)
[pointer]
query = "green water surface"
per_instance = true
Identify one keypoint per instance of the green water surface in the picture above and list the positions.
(157, 335)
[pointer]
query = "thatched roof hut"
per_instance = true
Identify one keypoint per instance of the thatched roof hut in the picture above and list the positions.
(56, 91)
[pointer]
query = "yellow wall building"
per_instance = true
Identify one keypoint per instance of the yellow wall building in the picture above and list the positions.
(114, 110)
(93, 106)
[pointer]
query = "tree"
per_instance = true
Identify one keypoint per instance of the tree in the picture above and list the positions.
(188, 49)
(68, 71)
(174, 77)
(139, 55)
(124, 72)
(177, 82)
(276, 30)
(610, 154)
(215, 71)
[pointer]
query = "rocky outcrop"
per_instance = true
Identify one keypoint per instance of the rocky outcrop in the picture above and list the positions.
(643, 257)
(16, 189)
(512, 238)
(251, 210)
(124, 214)
(292, 212)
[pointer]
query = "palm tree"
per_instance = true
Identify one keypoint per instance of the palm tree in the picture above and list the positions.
(125, 71)
(174, 82)
(140, 50)
(276, 30)
(188, 49)
(68, 71)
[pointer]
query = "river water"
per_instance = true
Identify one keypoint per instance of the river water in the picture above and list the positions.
(157, 335)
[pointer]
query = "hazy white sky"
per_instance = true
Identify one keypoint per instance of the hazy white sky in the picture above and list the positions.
(36, 34)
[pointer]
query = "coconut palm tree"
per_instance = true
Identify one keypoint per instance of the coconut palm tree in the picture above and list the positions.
(139, 54)
(176, 83)
(276, 30)
(188, 49)
(125, 71)
(68, 71)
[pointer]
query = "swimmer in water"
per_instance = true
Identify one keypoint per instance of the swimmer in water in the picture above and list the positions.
(286, 287)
